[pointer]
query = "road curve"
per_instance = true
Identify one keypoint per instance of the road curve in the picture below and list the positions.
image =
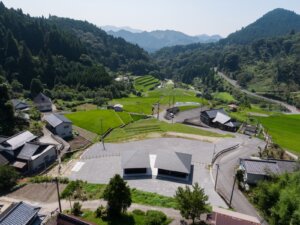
(292, 109)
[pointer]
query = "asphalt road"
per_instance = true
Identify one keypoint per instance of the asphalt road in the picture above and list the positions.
(228, 164)
(291, 108)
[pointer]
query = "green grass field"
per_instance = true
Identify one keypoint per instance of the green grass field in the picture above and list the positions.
(142, 128)
(284, 129)
(91, 120)
(224, 97)
(165, 96)
(145, 83)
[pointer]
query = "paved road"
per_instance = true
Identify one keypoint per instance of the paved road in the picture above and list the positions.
(291, 108)
(228, 163)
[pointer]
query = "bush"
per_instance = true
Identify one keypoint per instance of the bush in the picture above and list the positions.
(8, 178)
(76, 210)
(154, 217)
(48, 179)
(138, 212)
(100, 212)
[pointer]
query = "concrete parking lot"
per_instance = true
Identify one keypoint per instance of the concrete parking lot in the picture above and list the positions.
(98, 165)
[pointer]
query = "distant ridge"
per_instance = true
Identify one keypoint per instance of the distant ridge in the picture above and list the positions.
(155, 40)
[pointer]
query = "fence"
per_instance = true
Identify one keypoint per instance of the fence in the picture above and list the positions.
(224, 151)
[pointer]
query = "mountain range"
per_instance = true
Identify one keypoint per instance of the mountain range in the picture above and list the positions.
(155, 40)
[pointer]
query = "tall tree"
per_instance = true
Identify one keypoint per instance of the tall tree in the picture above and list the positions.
(192, 202)
(118, 196)
(26, 66)
(8, 178)
(7, 120)
(36, 87)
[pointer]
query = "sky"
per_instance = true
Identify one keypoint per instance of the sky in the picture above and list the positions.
(192, 17)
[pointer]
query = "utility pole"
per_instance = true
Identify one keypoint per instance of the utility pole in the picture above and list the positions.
(58, 195)
(102, 136)
(213, 153)
(158, 110)
(218, 167)
(232, 190)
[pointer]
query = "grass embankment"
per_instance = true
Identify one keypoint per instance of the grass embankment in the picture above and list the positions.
(166, 97)
(284, 129)
(91, 120)
(224, 97)
(95, 191)
(141, 129)
(127, 219)
(146, 83)
(187, 107)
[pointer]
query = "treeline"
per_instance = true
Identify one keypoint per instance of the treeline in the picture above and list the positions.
(279, 199)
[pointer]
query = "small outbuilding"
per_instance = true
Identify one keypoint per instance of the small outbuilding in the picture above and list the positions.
(118, 108)
(136, 163)
(59, 125)
(19, 104)
(43, 103)
(173, 164)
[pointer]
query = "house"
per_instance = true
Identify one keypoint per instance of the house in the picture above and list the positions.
(35, 156)
(19, 104)
(222, 216)
(43, 103)
(118, 108)
(173, 164)
(21, 214)
(256, 169)
(59, 125)
(219, 119)
(136, 163)
(12, 145)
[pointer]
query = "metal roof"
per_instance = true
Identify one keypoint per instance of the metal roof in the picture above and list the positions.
(19, 214)
(174, 161)
(19, 104)
(232, 124)
(19, 139)
(228, 217)
(55, 119)
(135, 159)
(212, 113)
(221, 118)
(41, 98)
(265, 167)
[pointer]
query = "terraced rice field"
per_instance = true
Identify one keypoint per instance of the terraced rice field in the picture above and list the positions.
(146, 83)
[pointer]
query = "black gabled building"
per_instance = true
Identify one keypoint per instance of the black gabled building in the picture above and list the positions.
(218, 118)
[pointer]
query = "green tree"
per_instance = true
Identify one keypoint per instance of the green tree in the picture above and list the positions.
(76, 210)
(36, 87)
(7, 119)
(8, 178)
(118, 196)
(192, 202)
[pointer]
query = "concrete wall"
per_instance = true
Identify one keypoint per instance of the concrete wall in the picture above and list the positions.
(47, 156)
(64, 130)
(254, 178)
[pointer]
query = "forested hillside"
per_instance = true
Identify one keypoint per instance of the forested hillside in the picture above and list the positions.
(62, 51)
(275, 23)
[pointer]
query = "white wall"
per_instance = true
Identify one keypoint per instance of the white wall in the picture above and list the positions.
(64, 130)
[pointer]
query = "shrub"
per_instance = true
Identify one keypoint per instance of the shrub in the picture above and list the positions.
(100, 212)
(154, 217)
(76, 210)
(138, 212)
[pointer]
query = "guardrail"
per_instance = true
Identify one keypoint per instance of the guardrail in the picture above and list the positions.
(224, 151)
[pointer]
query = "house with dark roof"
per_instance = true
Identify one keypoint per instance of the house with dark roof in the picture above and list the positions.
(59, 125)
(13, 144)
(64, 219)
(21, 214)
(173, 164)
(19, 104)
(218, 118)
(257, 169)
(43, 103)
(35, 156)
(136, 163)
(3, 159)
(220, 216)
